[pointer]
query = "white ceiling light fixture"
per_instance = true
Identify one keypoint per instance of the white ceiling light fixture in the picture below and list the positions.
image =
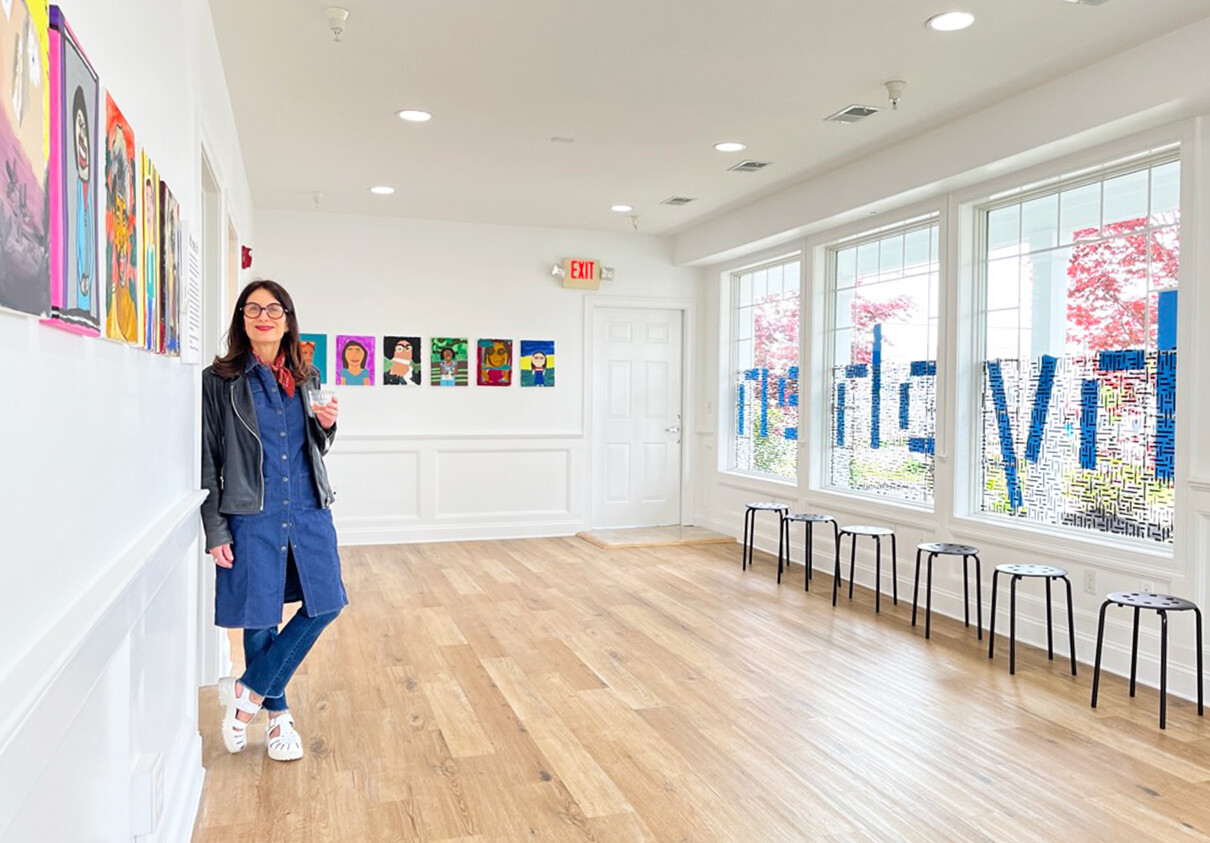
(894, 92)
(382, 190)
(621, 209)
(730, 146)
(415, 115)
(337, 18)
(950, 21)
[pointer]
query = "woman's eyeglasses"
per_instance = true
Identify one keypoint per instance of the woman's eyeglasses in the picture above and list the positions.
(252, 310)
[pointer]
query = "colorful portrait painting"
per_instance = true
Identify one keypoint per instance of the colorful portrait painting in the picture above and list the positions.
(495, 362)
(315, 353)
(25, 150)
(401, 364)
(354, 360)
(170, 273)
(537, 363)
(123, 299)
(74, 100)
(149, 260)
(447, 362)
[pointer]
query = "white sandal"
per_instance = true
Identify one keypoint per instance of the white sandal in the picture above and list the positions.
(235, 731)
(287, 746)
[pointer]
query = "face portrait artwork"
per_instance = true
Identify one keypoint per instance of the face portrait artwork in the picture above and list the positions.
(170, 273)
(149, 259)
(495, 362)
(315, 353)
(354, 360)
(448, 362)
(537, 363)
(401, 364)
(123, 299)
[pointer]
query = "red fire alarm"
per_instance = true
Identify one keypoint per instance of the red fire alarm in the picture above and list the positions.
(245, 257)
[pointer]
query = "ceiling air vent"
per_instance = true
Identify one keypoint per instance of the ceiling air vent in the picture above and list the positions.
(749, 166)
(852, 114)
(677, 200)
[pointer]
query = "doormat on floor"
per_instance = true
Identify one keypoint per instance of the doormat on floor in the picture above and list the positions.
(653, 537)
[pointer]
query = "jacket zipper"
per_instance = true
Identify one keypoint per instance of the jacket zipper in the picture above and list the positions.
(259, 448)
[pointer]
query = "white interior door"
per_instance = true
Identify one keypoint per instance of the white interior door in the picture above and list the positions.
(636, 478)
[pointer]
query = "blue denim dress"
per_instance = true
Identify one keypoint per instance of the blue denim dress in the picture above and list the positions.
(250, 594)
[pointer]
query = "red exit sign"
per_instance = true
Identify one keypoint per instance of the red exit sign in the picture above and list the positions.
(581, 273)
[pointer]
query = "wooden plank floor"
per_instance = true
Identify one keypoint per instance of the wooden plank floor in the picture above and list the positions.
(547, 689)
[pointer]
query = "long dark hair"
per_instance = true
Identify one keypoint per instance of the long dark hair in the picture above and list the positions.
(239, 346)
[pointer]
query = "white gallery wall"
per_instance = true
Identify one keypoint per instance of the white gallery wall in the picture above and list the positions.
(1138, 100)
(98, 624)
(438, 463)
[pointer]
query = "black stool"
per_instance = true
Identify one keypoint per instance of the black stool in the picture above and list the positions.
(935, 549)
(1017, 572)
(1162, 604)
(808, 519)
(853, 531)
(750, 530)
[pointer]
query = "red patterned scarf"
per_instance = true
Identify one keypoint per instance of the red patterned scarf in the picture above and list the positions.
(283, 375)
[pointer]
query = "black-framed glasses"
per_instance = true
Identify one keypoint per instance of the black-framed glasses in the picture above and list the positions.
(252, 310)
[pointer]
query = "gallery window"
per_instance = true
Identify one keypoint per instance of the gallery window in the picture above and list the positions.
(764, 363)
(1078, 318)
(882, 350)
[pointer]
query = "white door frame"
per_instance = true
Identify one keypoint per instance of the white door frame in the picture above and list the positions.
(688, 309)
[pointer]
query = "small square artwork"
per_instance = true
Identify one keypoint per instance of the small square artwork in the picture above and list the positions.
(354, 360)
(401, 361)
(537, 363)
(123, 301)
(495, 362)
(448, 361)
(315, 353)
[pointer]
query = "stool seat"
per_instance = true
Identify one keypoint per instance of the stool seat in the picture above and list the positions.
(1031, 570)
(810, 517)
(769, 505)
(947, 548)
(1147, 600)
(867, 530)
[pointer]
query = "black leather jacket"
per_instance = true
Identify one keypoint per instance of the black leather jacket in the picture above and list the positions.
(231, 452)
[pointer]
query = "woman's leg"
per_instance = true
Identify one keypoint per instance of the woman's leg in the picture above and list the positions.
(269, 674)
(257, 644)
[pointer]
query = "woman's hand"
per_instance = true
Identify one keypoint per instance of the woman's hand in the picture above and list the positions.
(223, 557)
(326, 415)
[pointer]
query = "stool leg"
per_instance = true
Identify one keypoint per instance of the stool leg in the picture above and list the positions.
(1198, 614)
(1012, 625)
(1071, 627)
(1163, 669)
(894, 571)
(1096, 665)
(1050, 636)
(744, 553)
(1134, 651)
(966, 596)
(836, 572)
(781, 540)
(928, 598)
(916, 588)
(991, 632)
(979, 597)
(877, 574)
(806, 560)
(852, 561)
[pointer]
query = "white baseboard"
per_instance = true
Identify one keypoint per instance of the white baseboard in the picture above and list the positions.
(411, 531)
(181, 804)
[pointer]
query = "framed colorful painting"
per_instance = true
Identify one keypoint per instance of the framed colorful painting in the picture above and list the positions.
(123, 299)
(354, 360)
(401, 366)
(315, 353)
(170, 273)
(495, 362)
(149, 258)
(537, 363)
(75, 301)
(447, 362)
(25, 148)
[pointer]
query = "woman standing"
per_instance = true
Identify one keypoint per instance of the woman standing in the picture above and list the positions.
(266, 518)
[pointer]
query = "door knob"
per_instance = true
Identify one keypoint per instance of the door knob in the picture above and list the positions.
(674, 429)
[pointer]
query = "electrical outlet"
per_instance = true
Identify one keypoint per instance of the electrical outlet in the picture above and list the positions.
(1147, 587)
(1090, 582)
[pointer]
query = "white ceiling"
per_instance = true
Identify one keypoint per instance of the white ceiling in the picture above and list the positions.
(646, 88)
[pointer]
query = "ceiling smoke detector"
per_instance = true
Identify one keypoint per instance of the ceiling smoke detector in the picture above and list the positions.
(337, 17)
(853, 113)
(894, 92)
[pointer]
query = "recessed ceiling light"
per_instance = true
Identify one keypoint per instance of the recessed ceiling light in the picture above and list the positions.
(415, 115)
(621, 209)
(382, 190)
(730, 146)
(950, 21)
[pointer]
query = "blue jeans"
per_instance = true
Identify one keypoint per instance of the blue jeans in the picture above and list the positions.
(272, 657)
